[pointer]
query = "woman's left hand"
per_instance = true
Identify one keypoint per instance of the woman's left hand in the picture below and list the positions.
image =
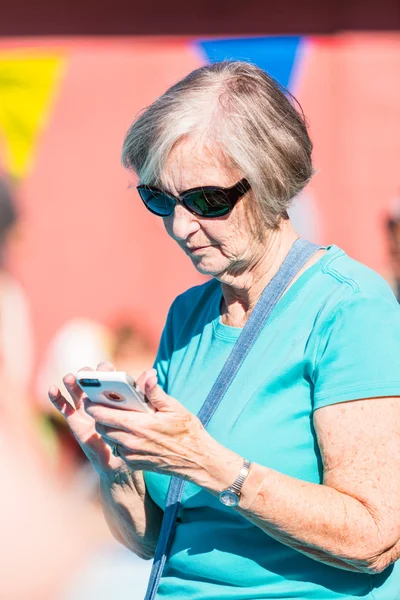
(171, 441)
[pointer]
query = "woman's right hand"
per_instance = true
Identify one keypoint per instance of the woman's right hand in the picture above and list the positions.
(82, 425)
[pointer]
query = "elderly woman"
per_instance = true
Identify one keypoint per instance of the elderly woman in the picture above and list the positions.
(312, 418)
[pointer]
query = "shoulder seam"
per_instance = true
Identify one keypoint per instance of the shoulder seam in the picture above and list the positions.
(329, 270)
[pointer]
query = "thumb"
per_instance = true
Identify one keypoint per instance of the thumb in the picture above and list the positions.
(158, 398)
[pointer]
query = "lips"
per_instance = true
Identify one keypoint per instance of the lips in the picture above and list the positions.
(193, 249)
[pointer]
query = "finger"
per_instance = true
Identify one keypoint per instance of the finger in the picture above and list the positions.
(158, 398)
(105, 366)
(126, 442)
(73, 388)
(114, 417)
(61, 404)
(144, 377)
(113, 435)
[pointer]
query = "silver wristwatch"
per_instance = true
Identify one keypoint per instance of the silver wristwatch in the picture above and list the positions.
(231, 496)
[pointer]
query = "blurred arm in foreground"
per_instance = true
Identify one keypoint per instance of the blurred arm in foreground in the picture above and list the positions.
(38, 540)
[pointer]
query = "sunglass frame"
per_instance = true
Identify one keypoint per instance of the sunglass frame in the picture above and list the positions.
(233, 195)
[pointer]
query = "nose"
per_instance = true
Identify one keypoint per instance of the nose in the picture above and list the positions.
(181, 224)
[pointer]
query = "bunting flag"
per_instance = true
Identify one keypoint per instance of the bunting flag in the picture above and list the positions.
(27, 87)
(275, 54)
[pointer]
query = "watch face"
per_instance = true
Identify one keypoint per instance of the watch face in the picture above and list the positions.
(229, 498)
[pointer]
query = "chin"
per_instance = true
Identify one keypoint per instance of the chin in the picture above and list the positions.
(212, 270)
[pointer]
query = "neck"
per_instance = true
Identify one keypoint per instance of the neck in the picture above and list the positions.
(241, 290)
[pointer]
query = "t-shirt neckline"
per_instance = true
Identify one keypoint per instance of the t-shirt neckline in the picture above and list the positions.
(229, 333)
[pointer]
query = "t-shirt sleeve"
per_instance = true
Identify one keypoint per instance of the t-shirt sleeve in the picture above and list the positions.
(358, 353)
(165, 350)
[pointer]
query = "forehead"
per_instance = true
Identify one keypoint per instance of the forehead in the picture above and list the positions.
(192, 163)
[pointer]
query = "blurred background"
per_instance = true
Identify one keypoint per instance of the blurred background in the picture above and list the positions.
(87, 274)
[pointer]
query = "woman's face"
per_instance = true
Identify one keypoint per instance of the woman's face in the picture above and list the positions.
(218, 246)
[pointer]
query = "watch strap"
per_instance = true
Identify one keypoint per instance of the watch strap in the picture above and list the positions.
(236, 486)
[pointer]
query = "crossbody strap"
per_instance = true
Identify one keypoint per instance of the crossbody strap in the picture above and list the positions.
(299, 254)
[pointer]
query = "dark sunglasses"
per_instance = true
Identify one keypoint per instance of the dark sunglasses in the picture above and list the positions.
(208, 201)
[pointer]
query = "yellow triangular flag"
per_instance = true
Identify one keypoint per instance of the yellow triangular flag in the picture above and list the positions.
(27, 88)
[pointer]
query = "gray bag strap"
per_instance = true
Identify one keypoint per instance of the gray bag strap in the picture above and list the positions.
(299, 254)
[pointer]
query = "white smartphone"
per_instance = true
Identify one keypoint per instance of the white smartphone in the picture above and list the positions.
(113, 388)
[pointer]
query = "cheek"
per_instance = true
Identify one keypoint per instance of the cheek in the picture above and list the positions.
(236, 235)
(232, 234)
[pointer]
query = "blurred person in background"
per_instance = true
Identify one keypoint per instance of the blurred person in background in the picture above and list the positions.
(393, 240)
(312, 420)
(131, 348)
(16, 339)
(78, 341)
(83, 341)
(37, 541)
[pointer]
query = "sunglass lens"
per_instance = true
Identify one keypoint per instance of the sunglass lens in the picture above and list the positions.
(157, 202)
(208, 203)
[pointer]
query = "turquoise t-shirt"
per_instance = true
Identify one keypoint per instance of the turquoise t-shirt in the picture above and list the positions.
(333, 337)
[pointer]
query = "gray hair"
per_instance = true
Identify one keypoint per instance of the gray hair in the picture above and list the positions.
(250, 118)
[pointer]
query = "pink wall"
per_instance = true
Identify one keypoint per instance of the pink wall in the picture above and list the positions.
(91, 249)
(350, 91)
